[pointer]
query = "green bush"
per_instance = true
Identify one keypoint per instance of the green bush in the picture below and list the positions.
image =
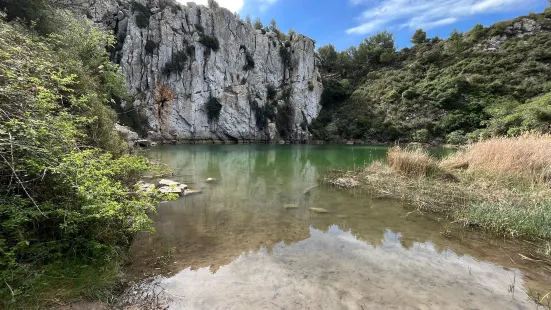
(262, 114)
(211, 43)
(150, 47)
(285, 55)
(285, 120)
(213, 107)
(142, 14)
(249, 61)
(66, 186)
(271, 92)
(176, 64)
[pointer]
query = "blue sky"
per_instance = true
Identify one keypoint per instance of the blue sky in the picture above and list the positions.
(347, 22)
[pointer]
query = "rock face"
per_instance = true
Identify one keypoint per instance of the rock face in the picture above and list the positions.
(520, 28)
(202, 73)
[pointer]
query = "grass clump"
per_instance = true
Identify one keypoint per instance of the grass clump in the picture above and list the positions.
(411, 162)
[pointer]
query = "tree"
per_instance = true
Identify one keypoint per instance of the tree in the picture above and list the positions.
(248, 20)
(329, 57)
(291, 33)
(213, 4)
(372, 48)
(455, 41)
(419, 37)
(258, 24)
(273, 25)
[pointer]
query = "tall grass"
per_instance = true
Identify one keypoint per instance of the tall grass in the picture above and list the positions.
(527, 156)
(501, 184)
(411, 162)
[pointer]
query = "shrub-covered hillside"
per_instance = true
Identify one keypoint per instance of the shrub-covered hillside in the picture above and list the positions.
(68, 205)
(486, 82)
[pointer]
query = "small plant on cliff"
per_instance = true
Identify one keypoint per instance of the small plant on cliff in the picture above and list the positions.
(142, 14)
(285, 55)
(150, 47)
(271, 92)
(163, 94)
(210, 42)
(176, 64)
(262, 114)
(249, 61)
(213, 107)
(285, 120)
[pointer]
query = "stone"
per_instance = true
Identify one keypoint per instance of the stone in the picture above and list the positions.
(319, 210)
(180, 114)
(290, 207)
(211, 180)
(189, 192)
(142, 143)
(126, 133)
(166, 182)
(145, 187)
(179, 189)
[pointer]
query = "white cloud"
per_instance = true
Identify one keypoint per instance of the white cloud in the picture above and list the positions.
(232, 5)
(424, 14)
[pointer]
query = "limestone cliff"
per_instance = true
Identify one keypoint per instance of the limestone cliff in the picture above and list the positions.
(202, 73)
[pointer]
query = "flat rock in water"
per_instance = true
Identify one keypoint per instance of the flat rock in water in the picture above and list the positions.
(319, 210)
(145, 187)
(290, 207)
(211, 180)
(188, 192)
(165, 182)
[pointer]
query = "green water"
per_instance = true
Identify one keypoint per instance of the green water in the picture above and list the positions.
(250, 240)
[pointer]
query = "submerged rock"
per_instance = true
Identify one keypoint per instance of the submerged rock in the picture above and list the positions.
(211, 180)
(319, 210)
(290, 206)
(188, 192)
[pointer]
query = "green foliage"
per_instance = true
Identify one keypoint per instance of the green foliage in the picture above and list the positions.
(454, 89)
(262, 114)
(210, 42)
(249, 61)
(36, 13)
(142, 14)
(271, 92)
(176, 64)
(213, 107)
(285, 120)
(419, 37)
(150, 46)
(286, 56)
(258, 24)
(66, 187)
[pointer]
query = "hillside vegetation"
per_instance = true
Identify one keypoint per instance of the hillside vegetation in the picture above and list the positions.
(68, 206)
(486, 82)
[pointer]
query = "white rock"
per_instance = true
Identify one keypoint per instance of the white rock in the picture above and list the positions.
(165, 182)
(220, 74)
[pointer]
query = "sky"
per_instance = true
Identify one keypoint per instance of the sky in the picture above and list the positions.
(344, 23)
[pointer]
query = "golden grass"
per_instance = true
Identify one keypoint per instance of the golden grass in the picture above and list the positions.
(502, 184)
(411, 162)
(527, 156)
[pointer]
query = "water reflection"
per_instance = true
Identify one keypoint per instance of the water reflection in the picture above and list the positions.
(349, 257)
(336, 270)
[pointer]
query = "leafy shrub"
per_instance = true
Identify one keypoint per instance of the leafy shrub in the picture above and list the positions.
(150, 46)
(67, 190)
(285, 55)
(249, 61)
(310, 86)
(213, 107)
(199, 28)
(176, 64)
(142, 12)
(285, 120)
(271, 92)
(210, 42)
(262, 114)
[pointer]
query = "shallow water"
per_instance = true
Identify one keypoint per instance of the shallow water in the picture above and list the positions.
(237, 246)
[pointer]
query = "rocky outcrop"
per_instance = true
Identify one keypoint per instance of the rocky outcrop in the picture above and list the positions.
(518, 28)
(202, 73)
